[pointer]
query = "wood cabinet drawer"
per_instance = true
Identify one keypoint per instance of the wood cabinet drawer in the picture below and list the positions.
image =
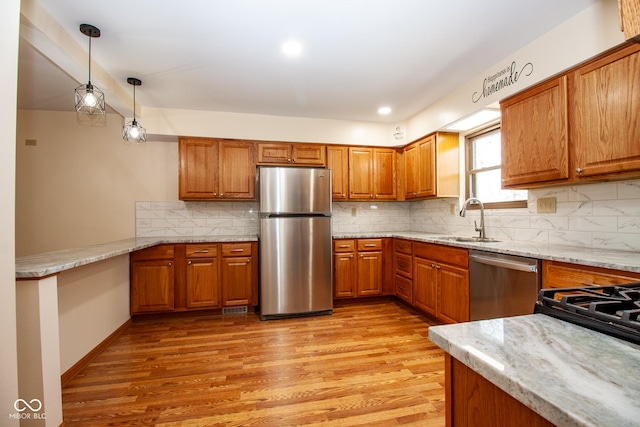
(441, 253)
(564, 275)
(202, 251)
(404, 289)
(155, 252)
(236, 249)
(404, 265)
(369, 245)
(403, 246)
(344, 245)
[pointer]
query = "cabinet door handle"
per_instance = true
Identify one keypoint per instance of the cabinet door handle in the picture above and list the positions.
(215, 194)
(236, 250)
(344, 195)
(438, 267)
(169, 264)
(578, 170)
(189, 262)
(221, 194)
(201, 251)
(433, 266)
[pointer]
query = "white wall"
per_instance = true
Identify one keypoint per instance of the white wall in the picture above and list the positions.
(79, 184)
(93, 301)
(9, 29)
(588, 33)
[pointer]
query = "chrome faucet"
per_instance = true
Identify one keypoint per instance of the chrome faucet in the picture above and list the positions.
(463, 212)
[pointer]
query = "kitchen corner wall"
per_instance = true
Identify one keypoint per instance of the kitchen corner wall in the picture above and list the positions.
(601, 215)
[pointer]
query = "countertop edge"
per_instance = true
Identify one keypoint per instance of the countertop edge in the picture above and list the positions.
(50, 263)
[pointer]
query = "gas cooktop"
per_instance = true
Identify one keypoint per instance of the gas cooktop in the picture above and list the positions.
(612, 310)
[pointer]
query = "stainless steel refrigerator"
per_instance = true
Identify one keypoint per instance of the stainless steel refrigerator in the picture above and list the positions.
(295, 242)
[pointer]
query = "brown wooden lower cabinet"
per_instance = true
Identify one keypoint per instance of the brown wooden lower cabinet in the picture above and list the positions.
(360, 269)
(441, 281)
(239, 275)
(183, 277)
(152, 279)
(471, 400)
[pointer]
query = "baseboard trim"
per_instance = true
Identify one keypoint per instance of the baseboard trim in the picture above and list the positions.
(70, 373)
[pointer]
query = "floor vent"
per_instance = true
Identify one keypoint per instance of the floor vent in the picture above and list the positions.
(234, 310)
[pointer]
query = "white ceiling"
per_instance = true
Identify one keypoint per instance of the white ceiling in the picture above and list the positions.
(225, 55)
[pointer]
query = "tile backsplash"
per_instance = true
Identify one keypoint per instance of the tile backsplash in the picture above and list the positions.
(600, 215)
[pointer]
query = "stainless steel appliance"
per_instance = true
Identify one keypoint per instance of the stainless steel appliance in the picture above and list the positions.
(502, 285)
(613, 310)
(295, 242)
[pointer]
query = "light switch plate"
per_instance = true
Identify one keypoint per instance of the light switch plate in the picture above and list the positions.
(547, 205)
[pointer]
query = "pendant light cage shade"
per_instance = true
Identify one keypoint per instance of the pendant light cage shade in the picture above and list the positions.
(89, 99)
(132, 131)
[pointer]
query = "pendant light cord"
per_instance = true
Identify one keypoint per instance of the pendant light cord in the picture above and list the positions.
(89, 59)
(134, 103)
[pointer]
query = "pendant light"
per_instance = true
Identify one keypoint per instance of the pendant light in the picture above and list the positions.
(132, 131)
(89, 99)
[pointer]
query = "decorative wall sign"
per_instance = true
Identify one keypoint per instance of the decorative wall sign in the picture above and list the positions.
(503, 78)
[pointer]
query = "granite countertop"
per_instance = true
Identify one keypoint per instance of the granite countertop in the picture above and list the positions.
(41, 265)
(604, 258)
(570, 375)
(46, 264)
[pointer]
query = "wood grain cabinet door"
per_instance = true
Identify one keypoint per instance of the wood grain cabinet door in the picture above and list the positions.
(308, 154)
(338, 162)
(369, 273)
(384, 174)
(152, 286)
(360, 173)
(344, 265)
(203, 285)
(237, 171)
(535, 135)
(425, 285)
(630, 18)
(411, 171)
(237, 281)
(426, 174)
(606, 107)
(198, 168)
(453, 294)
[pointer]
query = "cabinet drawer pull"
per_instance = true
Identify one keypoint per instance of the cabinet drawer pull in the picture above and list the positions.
(236, 250)
(370, 245)
(343, 246)
(201, 251)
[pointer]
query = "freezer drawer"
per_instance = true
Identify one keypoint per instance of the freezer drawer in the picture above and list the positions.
(295, 266)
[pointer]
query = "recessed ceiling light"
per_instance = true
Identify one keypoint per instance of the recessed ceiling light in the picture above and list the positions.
(292, 48)
(384, 110)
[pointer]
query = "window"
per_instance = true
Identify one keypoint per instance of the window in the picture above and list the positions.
(484, 174)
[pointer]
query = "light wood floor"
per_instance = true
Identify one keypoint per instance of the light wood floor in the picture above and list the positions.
(367, 364)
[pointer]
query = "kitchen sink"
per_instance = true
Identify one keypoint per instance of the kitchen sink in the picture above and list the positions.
(469, 239)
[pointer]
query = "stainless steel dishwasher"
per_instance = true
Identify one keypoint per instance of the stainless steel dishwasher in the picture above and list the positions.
(502, 285)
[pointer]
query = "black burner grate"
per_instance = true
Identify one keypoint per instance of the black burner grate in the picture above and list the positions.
(613, 310)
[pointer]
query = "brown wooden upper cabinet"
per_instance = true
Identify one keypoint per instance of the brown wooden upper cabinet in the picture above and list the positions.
(432, 166)
(291, 154)
(216, 169)
(606, 106)
(372, 173)
(578, 126)
(535, 135)
(338, 162)
(630, 18)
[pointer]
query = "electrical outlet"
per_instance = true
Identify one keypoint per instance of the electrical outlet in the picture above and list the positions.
(547, 205)
(353, 211)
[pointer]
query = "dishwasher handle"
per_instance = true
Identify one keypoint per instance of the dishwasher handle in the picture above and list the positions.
(511, 265)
